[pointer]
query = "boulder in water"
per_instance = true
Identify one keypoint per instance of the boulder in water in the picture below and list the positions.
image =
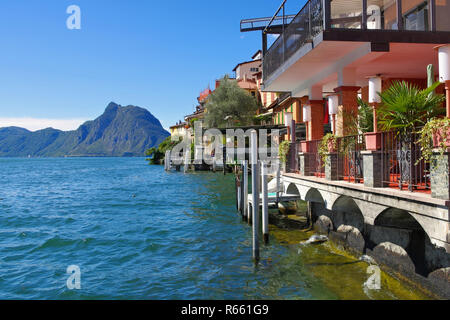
(315, 239)
(394, 256)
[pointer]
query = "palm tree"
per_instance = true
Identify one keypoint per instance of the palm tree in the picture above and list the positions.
(405, 107)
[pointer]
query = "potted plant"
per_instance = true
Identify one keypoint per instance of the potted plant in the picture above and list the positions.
(327, 145)
(404, 107)
(434, 135)
(283, 151)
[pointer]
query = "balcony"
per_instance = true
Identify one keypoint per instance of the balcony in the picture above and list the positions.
(377, 22)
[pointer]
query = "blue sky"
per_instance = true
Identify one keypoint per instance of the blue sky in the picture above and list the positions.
(154, 54)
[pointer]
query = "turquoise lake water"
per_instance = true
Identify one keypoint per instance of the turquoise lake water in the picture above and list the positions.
(136, 232)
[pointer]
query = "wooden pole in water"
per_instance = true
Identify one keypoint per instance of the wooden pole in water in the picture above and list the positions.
(186, 160)
(214, 164)
(246, 212)
(255, 194)
(278, 177)
(224, 157)
(265, 204)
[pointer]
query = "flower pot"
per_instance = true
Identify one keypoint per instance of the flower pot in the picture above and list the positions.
(439, 137)
(373, 141)
(305, 146)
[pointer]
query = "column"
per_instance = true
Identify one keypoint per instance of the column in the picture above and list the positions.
(348, 107)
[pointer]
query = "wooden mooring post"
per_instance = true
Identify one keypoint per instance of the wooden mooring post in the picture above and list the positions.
(255, 194)
(245, 190)
(265, 203)
(187, 157)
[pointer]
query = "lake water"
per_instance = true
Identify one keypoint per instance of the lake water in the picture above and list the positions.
(137, 232)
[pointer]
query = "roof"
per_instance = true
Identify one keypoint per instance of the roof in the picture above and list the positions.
(246, 62)
(178, 125)
(257, 52)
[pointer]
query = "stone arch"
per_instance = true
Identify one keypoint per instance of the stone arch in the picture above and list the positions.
(401, 228)
(292, 189)
(347, 212)
(314, 195)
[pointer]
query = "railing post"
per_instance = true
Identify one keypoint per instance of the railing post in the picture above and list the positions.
(399, 15)
(309, 19)
(432, 15)
(364, 15)
(326, 7)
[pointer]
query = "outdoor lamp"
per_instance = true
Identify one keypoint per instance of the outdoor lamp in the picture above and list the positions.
(288, 116)
(375, 84)
(444, 72)
(333, 104)
(306, 113)
(306, 117)
(374, 88)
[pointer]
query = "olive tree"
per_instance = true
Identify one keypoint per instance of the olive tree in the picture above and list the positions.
(230, 104)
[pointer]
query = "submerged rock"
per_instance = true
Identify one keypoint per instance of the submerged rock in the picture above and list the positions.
(353, 238)
(287, 207)
(315, 239)
(323, 224)
(440, 279)
(367, 259)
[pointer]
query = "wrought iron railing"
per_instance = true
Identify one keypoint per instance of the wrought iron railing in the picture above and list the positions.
(318, 15)
(306, 24)
(401, 162)
(349, 160)
(316, 164)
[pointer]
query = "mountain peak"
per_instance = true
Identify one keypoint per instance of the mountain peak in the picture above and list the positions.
(112, 107)
(119, 131)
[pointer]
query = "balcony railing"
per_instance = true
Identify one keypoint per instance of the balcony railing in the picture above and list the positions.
(306, 24)
(401, 167)
(350, 161)
(319, 15)
(402, 164)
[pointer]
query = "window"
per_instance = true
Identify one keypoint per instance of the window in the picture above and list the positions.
(417, 18)
(254, 69)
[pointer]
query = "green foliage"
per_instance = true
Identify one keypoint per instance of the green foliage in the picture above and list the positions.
(365, 116)
(229, 104)
(157, 154)
(262, 118)
(283, 150)
(328, 139)
(404, 106)
(431, 128)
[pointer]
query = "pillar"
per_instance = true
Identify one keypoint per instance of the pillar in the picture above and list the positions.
(440, 176)
(348, 107)
(315, 127)
(374, 171)
(333, 167)
(304, 163)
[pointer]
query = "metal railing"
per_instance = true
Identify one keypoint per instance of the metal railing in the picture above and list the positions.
(350, 161)
(401, 162)
(316, 164)
(306, 24)
(318, 15)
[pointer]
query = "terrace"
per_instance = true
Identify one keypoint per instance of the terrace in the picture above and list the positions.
(325, 33)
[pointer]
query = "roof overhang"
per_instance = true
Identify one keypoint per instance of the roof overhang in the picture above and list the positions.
(392, 54)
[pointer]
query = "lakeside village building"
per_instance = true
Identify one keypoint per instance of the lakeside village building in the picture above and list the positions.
(376, 197)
